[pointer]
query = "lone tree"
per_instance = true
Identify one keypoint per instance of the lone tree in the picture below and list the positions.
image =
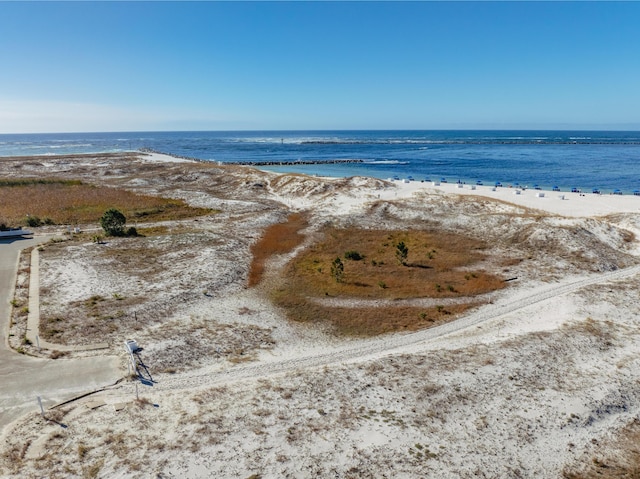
(337, 270)
(113, 222)
(401, 253)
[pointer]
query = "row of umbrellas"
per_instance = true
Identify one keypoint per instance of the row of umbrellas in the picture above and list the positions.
(595, 191)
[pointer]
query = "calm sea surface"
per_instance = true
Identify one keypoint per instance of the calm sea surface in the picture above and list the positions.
(606, 160)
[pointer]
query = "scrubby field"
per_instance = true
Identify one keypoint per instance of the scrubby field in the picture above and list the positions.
(266, 363)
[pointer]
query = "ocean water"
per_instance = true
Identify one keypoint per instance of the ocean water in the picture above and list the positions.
(606, 160)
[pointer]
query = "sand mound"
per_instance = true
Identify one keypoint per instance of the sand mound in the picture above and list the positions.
(528, 385)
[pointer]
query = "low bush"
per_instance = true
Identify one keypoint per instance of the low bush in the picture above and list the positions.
(353, 255)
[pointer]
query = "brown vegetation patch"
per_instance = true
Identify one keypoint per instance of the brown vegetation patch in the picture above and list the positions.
(96, 318)
(207, 339)
(72, 202)
(277, 239)
(20, 304)
(437, 265)
(133, 269)
(618, 460)
(368, 321)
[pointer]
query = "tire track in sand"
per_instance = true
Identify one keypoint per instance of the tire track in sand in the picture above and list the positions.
(375, 348)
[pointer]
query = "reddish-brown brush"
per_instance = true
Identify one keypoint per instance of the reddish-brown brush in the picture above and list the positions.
(279, 238)
(437, 265)
(72, 202)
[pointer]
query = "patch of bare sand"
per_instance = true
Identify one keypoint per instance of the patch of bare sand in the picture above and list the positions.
(242, 392)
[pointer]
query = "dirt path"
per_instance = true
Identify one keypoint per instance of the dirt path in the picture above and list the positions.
(406, 343)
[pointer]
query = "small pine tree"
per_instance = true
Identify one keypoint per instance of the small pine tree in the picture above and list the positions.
(337, 270)
(402, 252)
(113, 222)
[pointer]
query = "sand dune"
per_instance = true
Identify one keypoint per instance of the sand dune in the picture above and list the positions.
(536, 382)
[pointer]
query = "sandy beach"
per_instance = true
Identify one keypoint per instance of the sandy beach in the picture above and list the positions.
(541, 379)
(554, 202)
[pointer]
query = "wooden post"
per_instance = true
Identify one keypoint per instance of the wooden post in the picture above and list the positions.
(41, 408)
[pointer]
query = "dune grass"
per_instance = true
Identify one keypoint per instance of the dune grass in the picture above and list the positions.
(437, 265)
(55, 201)
(616, 459)
(279, 238)
(365, 321)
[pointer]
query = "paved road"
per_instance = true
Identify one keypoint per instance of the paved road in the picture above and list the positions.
(22, 378)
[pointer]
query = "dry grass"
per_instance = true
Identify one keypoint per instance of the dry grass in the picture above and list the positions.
(133, 268)
(280, 238)
(208, 339)
(438, 265)
(367, 321)
(19, 309)
(95, 318)
(621, 459)
(73, 202)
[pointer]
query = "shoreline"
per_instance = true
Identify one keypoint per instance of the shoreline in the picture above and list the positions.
(157, 155)
(275, 163)
(571, 204)
(559, 203)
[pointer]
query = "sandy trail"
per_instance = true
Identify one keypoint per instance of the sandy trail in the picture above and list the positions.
(366, 350)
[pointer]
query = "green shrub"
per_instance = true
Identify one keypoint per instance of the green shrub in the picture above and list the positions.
(337, 270)
(353, 255)
(33, 221)
(402, 252)
(113, 222)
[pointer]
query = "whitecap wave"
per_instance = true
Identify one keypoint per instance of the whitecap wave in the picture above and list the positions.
(385, 162)
(69, 145)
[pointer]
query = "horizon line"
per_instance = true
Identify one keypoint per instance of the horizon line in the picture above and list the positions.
(321, 130)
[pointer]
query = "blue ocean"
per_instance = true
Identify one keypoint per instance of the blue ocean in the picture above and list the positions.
(606, 160)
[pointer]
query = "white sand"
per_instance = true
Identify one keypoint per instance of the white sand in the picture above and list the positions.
(521, 387)
(559, 203)
(161, 158)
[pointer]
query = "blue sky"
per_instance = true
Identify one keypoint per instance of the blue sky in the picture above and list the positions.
(120, 66)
